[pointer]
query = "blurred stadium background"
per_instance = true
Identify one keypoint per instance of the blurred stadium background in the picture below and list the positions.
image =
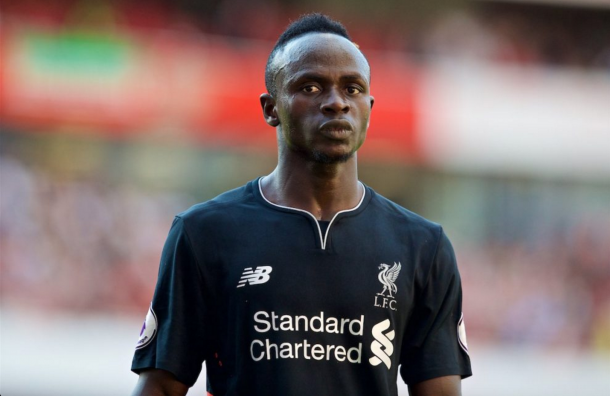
(491, 117)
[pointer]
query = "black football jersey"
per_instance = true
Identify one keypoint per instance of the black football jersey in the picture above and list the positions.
(276, 304)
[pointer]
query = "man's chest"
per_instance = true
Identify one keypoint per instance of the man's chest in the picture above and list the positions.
(283, 297)
(288, 271)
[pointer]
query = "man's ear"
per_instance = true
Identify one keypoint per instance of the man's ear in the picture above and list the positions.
(269, 110)
(368, 123)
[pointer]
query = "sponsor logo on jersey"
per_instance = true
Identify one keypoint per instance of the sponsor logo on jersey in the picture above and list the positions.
(255, 276)
(149, 329)
(382, 347)
(387, 276)
(269, 344)
(461, 330)
(271, 324)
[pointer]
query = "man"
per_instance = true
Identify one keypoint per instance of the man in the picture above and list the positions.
(305, 281)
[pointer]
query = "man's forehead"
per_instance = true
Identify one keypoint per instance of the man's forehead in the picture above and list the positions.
(318, 46)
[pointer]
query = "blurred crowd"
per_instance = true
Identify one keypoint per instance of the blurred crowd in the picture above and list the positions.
(86, 246)
(524, 36)
(521, 34)
(554, 295)
(79, 244)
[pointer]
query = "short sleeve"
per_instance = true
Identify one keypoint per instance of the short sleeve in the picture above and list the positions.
(173, 336)
(433, 346)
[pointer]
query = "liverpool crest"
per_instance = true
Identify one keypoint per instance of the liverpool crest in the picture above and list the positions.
(387, 276)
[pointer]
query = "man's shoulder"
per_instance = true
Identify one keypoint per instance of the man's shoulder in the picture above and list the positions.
(399, 215)
(220, 205)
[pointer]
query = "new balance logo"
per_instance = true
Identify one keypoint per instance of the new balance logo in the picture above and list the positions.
(255, 277)
(382, 347)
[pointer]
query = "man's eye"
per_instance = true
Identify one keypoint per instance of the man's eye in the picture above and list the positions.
(311, 89)
(353, 90)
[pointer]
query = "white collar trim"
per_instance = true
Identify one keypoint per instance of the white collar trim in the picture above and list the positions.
(323, 238)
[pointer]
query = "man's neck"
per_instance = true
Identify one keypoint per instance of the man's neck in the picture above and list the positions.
(321, 189)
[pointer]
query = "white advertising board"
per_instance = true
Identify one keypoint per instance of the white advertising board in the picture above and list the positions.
(495, 119)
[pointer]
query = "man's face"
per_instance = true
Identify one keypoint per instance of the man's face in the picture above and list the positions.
(323, 102)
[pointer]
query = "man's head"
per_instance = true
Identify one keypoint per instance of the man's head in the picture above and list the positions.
(308, 24)
(318, 84)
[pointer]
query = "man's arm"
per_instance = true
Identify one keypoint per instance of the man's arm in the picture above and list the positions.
(441, 386)
(155, 382)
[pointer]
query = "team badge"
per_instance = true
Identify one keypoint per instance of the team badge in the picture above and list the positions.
(387, 276)
(149, 329)
(461, 330)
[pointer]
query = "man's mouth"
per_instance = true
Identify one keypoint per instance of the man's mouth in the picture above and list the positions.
(336, 133)
(336, 129)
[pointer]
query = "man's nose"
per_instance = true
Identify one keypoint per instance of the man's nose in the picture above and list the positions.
(334, 102)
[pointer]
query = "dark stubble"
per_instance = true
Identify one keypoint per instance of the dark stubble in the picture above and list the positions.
(323, 158)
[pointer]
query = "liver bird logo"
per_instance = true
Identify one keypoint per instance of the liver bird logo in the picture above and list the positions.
(387, 277)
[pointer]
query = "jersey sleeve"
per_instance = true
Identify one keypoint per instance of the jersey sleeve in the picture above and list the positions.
(435, 342)
(173, 337)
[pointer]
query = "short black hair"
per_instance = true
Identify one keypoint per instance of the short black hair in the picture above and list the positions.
(309, 23)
